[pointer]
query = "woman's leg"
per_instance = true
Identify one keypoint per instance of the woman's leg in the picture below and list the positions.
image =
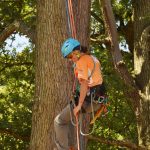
(62, 127)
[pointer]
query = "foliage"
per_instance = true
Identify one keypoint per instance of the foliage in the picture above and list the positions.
(16, 94)
(11, 10)
(119, 123)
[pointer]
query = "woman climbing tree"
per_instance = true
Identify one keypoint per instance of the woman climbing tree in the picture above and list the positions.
(91, 90)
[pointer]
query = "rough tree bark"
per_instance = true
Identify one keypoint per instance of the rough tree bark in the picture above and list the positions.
(142, 66)
(82, 24)
(52, 78)
(53, 84)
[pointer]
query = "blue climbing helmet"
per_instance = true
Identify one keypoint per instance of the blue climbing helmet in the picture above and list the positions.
(68, 46)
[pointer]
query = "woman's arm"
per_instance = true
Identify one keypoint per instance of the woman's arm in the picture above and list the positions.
(83, 92)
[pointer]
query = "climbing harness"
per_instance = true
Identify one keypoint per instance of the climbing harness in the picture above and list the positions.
(103, 110)
(81, 119)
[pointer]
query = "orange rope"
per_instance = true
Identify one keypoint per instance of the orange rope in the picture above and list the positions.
(73, 31)
(102, 109)
(72, 19)
(98, 113)
(78, 139)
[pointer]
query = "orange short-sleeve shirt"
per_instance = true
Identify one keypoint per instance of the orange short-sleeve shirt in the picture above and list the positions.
(84, 67)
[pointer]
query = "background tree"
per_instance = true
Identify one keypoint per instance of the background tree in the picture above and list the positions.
(141, 66)
(134, 91)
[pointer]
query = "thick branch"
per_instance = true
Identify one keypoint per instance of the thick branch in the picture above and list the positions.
(16, 26)
(8, 31)
(27, 31)
(100, 41)
(117, 57)
(146, 34)
(15, 135)
(129, 34)
(112, 31)
(118, 143)
(96, 17)
(115, 51)
(126, 30)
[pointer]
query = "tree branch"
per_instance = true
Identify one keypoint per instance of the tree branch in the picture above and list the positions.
(118, 143)
(146, 34)
(118, 60)
(100, 41)
(7, 65)
(15, 135)
(17, 26)
(126, 30)
(97, 17)
(8, 31)
(115, 51)
(27, 31)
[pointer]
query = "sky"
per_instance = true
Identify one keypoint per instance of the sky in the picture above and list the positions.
(19, 43)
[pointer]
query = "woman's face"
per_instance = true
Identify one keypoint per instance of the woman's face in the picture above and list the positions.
(74, 56)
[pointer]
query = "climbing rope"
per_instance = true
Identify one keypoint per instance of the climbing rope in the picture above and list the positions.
(92, 110)
(70, 17)
(78, 137)
(72, 33)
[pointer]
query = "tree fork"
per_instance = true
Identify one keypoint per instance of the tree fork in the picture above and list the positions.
(17, 26)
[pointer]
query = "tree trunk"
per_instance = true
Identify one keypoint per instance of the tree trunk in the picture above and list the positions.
(52, 78)
(53, 81)
(82, 20)
(81, 9)
(142, 66)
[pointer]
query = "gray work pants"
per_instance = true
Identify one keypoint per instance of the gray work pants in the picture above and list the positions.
(63, 126)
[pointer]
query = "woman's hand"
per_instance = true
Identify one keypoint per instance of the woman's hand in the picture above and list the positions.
(76, 110)
(83, 92)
